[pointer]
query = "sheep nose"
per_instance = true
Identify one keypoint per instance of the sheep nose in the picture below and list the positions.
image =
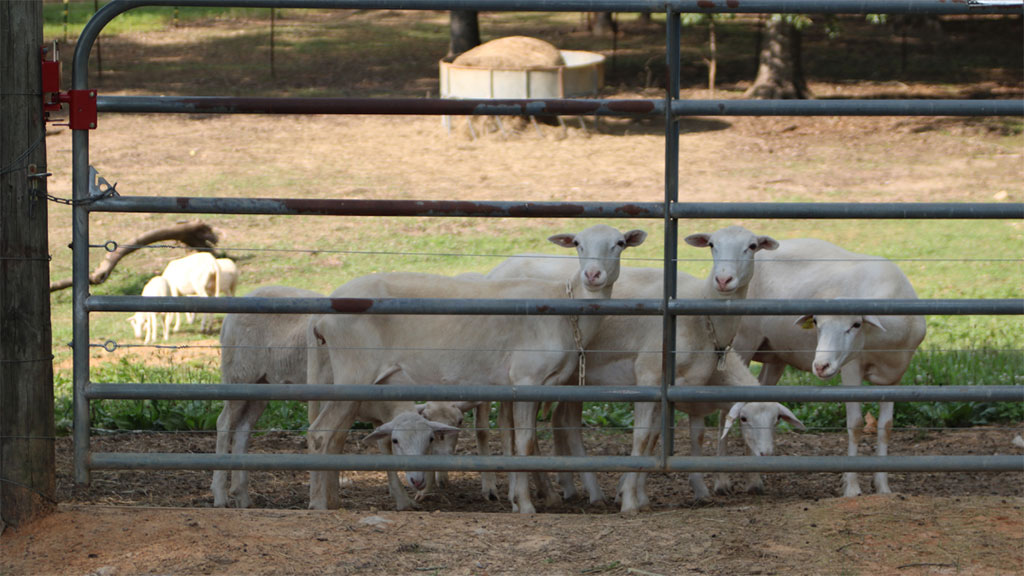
(723, 282)
(821, 369)
(593, 276)
(417, 483)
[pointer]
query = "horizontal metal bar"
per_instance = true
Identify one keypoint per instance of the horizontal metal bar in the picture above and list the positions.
(656, 6)
(874, 211)
(381, 106)
(307, 392)
(343, 207)
(163, 461)
(555, 307)
(848, 107)
(553, 106)
(441, 208)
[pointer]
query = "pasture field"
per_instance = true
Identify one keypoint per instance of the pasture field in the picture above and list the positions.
(371, 53)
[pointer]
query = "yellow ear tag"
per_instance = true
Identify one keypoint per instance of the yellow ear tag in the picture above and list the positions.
(808, 324)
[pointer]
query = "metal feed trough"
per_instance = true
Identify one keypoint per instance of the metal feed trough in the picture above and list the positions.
(89, 198)
(582, 74)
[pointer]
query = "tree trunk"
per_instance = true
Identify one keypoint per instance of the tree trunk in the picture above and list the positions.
(464, 27)
(604, 23)
(780, 70)
(28, 482)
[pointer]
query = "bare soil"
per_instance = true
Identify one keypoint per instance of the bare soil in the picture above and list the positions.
(162, 523)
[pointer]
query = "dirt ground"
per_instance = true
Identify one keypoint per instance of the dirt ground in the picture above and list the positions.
(162, 523)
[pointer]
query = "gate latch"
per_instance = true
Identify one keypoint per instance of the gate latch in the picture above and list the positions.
(81, 103)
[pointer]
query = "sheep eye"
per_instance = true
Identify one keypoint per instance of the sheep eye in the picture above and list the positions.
(752, 247)
(394, 441)
(431, 440)
(576, 243)
(711, 244)
(856, 324)
(621, 243)
(743, 418)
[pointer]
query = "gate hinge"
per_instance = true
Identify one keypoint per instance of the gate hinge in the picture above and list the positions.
(81, 103)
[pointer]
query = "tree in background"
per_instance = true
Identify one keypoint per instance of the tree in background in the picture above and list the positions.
(464, 28)
(780, 71)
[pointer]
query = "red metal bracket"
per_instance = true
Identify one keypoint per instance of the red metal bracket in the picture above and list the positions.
(81, 103)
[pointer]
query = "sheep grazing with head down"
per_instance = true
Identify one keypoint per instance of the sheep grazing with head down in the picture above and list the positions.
(625, 352)
(147, 321)
(463, 349)
(272, 348)
(190, 276)
(858, 347)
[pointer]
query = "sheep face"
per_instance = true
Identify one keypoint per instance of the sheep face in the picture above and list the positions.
(599, 248)
(757, 424)
(733, 250)
(840, 340)
(138, 322)
(410, 434)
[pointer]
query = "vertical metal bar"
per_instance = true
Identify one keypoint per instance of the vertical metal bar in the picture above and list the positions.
(80, 292)
(668, 347)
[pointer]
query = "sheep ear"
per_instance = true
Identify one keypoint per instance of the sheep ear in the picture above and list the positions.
(787, 415)
(767, 243)
(564, 240)
(734, 413)
(420, 408)
(382, 431)
(467, 405)
(874, 321)
(698, 240)
(635, 237)
(806, 322)
(442, 430)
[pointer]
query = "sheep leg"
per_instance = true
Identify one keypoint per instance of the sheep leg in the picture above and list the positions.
(327, 435)
(524, 418)
(560, 432)
(851, 376)
(885, 412)
(225, 424)
(167, 325)
(568, 418)
(771, 374)
(481, 420)
(723, 484)
(700, 491)
(250, 414)
(646, 430)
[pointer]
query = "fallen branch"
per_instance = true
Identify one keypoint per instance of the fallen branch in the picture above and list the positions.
(195, 234)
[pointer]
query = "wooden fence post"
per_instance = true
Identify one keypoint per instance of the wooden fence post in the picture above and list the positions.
(27, 460)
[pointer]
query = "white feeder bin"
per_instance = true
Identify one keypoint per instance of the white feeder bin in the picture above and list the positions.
(582, 75)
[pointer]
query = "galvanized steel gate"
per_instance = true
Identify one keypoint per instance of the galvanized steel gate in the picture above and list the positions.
(671, 108)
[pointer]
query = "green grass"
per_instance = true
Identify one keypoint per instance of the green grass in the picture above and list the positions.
(144, 19)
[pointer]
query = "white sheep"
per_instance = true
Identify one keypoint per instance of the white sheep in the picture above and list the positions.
(859, 347)
(147, 321)
(453, 350)
(190, 276)
(228, 274)
(272, 348)
(626, 351)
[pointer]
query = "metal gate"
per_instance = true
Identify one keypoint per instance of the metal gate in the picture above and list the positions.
(89, 198)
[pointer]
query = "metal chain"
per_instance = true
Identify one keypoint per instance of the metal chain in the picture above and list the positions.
(574, 321)
(109, 192)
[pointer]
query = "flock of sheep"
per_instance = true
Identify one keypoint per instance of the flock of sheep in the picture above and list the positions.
(545, 351)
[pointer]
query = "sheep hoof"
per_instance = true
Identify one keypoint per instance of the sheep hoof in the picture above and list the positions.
(755, 489)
